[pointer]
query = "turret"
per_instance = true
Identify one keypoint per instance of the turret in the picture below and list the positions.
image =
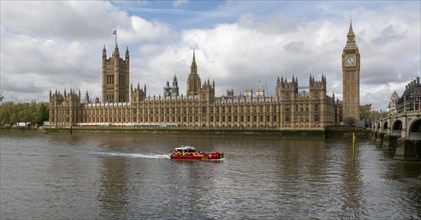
(127, 55)
(104, 53)
(286, 88)
(207, 92)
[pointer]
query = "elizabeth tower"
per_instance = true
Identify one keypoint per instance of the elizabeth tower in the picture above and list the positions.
(351, 77)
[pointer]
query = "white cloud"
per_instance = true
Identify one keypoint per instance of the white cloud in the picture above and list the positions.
(59, 45)
(177, 3)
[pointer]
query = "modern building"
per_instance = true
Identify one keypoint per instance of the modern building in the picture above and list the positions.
(290, 108)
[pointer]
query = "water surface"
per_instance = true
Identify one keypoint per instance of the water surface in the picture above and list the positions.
(130, 175)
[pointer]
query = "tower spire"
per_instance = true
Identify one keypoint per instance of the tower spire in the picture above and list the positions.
(350, 32)
(350, 43)
(193, 82)
(193, 69)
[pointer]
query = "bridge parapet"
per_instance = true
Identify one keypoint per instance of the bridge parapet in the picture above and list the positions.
(400, 132)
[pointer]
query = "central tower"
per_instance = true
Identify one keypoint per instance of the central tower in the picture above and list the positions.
(193, 81)
(115, 76)
(351, 78)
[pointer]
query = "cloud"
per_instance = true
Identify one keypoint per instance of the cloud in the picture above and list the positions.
(58, 45)
(389, 35)
(177, 3)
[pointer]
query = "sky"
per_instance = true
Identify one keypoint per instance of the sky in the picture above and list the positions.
(57, 45)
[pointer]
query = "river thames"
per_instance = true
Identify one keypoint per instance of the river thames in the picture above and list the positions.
(130, 176)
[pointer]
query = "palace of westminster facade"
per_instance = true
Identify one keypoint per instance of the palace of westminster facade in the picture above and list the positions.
(289, 109)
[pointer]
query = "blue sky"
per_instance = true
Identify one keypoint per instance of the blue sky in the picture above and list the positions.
(58, 44)
(206, 14)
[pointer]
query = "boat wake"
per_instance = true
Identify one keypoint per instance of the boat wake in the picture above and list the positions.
(135, 155)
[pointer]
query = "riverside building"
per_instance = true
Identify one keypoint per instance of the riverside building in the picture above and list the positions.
(289, 109)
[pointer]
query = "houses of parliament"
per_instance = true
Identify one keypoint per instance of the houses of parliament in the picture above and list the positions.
(290, 108)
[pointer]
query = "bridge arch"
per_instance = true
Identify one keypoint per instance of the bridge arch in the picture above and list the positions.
(396, 127)
(384, 128)
(415, 129)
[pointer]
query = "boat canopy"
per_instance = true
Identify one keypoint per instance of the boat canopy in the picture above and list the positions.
(186, 148)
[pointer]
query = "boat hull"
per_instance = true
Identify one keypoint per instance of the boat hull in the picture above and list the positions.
(206, 157)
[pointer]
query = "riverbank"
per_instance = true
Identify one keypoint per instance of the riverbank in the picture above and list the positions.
(289, 133)
(330, 132)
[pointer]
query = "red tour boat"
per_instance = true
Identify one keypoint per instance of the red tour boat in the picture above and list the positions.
(190, 153)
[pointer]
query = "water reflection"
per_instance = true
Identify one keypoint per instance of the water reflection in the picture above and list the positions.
(113, 193)
(352, 185)
(91, 176)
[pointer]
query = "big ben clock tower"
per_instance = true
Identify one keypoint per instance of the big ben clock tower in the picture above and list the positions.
(351, 78)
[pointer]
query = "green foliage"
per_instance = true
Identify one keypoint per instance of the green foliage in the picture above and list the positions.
(42, 112)
(350, 121)
(365, 111)
(11, 113)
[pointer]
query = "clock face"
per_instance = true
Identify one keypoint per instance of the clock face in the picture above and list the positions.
(350, 60)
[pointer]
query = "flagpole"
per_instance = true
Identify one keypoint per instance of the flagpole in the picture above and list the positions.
(115, 33)
(353, 145)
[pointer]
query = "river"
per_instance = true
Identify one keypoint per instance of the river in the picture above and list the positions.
(130, 176)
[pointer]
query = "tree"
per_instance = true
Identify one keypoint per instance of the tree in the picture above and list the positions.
(42, 113)
(11, 113)
(350, 121)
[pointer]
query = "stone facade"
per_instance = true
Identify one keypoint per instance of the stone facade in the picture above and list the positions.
(115, 77)
(351, 77)
(290, 108)
(411, 97)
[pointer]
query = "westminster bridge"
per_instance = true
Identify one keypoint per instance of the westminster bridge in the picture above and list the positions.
(400, 132)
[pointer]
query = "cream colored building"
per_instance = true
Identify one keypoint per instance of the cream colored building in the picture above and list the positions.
(289, 109)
